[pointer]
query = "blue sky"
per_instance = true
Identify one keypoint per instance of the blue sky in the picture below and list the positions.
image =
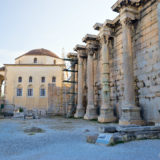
(49, 24)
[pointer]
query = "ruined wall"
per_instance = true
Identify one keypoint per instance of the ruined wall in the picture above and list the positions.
(55, 106)
(147, 61)
(145, 43)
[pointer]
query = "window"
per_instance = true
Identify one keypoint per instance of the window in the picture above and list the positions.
(30, 79)
(19, 79)
(30, 92)
(43, 79)
(54, 61)
(35, 60)
(53, 79)
(19, 92)
(42, 92)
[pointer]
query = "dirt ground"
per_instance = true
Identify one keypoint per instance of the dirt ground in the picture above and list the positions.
(65, 139)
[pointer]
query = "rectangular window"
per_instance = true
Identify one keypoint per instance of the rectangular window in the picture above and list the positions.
(43, 79)
(30, 92)
(42, 92)
(19, 92)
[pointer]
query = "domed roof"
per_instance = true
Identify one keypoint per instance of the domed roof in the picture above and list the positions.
(40, 52)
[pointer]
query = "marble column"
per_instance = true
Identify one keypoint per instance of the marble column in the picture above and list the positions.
(106, 110)
(130, 112)
(80, 111)
(91, 112)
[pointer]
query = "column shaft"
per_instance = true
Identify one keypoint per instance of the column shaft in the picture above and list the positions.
(80, 111)
(130, 112)
(106, 112)
(91, 112)
(129, 94)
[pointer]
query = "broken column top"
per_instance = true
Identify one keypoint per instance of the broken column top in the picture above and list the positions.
(90, 37)
(79, 47)
(120, 3)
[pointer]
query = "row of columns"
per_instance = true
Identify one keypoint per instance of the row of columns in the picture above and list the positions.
(130, 112)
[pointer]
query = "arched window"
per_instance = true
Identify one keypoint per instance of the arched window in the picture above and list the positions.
(42, 91)
(54, 61)
(19, 79)
(53, 79)
(43, 79)
(35, 60)
(30, 91)
(30, 79)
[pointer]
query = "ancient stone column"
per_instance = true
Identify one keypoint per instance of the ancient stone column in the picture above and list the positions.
(106, 111)
(91, 112)
(80, 110)
(130, 112)
(71, 105)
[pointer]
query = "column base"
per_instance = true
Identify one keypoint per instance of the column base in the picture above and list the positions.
(106, 115)
(70, 112)
(79, 113)
(131, 115)
(91, 113)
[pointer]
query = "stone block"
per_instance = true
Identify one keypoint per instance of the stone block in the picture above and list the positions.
(103, 139)
(136, 129)
(18, 115)
(135, 133)
(108, 129)
(92, 138)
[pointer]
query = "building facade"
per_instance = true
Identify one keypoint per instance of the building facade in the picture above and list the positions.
(119, 68)
(27, 81)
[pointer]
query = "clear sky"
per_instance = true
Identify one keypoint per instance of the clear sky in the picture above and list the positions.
(49, 24)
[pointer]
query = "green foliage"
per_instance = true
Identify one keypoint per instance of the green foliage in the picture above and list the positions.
(20, 109)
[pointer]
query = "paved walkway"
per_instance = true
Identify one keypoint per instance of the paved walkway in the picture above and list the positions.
(64, 139)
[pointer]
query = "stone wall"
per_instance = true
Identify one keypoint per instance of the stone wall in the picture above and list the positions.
(55, 106)
(116, 71)
(147, 61)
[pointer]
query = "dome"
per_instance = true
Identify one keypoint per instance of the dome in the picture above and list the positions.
(39, 52)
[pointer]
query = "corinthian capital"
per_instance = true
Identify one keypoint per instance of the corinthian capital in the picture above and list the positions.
(104, 35)
(104, 39)
(126, 21)
(127, 15)
(92, 48)
(91, 51)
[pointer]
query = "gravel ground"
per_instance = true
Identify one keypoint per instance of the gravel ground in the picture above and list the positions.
(64, 139)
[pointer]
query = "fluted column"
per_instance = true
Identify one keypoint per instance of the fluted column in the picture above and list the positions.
(106, 111)
(130, 112)
(80, 111)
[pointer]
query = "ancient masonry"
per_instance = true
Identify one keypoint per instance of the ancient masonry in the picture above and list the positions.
(119, 69)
